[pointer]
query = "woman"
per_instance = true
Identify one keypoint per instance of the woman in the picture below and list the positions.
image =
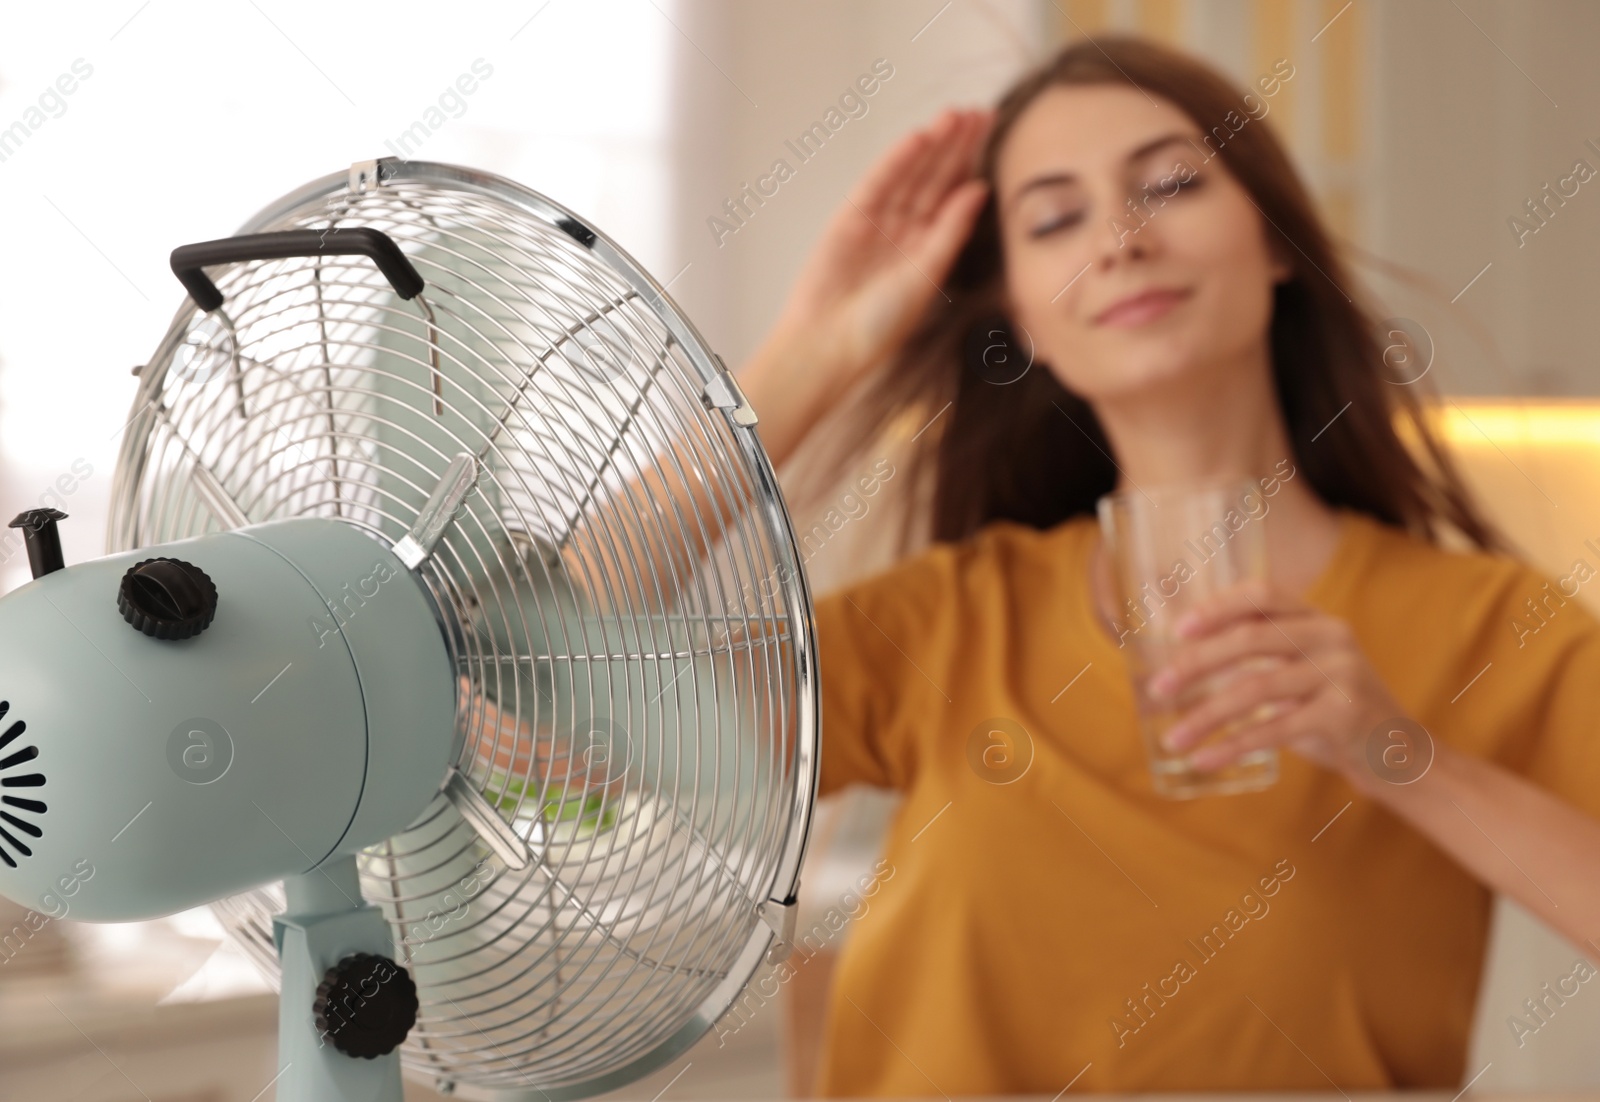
(1188, 318)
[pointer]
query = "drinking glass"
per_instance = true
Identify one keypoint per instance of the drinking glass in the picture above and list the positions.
(1168, 547)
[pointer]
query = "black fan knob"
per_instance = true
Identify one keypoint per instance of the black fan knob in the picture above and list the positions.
(167, 598)
(365, 1005)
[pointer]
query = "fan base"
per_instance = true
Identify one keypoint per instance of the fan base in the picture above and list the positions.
(325, 921)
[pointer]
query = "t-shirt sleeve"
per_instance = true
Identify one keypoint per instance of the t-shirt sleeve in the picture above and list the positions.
(1565, 753)
(882, 644)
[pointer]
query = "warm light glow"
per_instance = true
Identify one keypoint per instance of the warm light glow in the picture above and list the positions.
(1518, 422)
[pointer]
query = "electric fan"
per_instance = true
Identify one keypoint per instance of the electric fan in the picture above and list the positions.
(450, 586)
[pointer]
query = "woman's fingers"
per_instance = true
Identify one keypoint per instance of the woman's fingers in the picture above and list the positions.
(1196, 658)
(874, 270)
(951, 227)
(1281, 729)
(884, 308)
(907, 184)
(1252, 597)
(941, 135)
(864, 226)
(1242, 700)
(953, 162)
(870, 236)
(881, 192)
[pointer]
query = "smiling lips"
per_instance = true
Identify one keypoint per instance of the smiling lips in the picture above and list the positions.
(1139, 309)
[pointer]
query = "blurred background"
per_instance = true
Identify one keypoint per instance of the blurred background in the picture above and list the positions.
(1425, 129)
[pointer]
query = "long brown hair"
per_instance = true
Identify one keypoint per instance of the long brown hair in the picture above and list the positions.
(1033, 452)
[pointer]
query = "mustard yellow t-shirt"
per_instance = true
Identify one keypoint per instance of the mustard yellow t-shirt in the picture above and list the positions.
(1072, 926)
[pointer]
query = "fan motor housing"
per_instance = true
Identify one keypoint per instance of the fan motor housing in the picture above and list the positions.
(313, 716)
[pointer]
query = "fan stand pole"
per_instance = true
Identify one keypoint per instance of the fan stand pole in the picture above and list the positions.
(324, 921)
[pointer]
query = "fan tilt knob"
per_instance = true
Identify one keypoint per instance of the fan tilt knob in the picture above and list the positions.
(365, 1005)
(167, 598)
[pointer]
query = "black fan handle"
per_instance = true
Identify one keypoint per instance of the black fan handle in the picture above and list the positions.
(189, 261)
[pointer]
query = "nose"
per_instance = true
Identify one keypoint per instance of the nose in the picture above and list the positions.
(1129, 233)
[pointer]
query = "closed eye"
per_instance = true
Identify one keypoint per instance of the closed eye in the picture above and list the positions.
(1055, 224)
(1168, 186)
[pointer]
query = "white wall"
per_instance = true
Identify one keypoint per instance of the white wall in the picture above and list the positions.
(1476, 106)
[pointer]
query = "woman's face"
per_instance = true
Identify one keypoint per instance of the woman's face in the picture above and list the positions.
(1119, 298)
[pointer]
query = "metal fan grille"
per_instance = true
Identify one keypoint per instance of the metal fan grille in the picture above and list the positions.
(637, 705)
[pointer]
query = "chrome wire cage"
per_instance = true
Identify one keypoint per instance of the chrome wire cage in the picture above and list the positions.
(617, 845)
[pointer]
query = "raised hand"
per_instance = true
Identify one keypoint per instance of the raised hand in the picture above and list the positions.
(879, 262)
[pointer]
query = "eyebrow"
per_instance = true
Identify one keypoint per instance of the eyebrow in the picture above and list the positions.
(1052, 179)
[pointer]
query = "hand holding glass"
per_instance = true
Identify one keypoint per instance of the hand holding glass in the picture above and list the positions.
(1168, 548)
